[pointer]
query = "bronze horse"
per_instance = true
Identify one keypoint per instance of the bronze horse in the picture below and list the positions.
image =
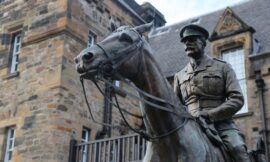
(128, 54)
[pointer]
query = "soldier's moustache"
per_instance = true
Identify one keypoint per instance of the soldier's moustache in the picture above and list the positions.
(189, 48)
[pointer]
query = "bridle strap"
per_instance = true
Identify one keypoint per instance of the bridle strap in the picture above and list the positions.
(123, 55)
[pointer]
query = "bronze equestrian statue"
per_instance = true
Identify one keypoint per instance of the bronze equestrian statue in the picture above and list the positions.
(174, 135)
(210, 90)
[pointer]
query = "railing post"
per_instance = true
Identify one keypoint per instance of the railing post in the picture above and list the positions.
(72, 151)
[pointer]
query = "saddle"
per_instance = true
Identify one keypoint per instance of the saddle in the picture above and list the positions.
(257, 155)
(212, 134)
(210, 131)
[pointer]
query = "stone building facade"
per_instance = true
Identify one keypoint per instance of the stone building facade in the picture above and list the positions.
(42, 105)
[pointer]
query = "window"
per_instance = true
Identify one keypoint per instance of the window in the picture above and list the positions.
(85, 138)
(236, 58)
(115, 152)
(10, 144)
(117, 83)
(16, 47)
(91, 39)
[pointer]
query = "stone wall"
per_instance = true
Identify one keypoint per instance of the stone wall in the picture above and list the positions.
(43, 99)
(258, 65)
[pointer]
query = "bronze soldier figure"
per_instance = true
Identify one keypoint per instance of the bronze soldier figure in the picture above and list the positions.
(210, 90)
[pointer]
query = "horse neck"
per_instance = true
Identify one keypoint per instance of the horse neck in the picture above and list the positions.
(152, 80)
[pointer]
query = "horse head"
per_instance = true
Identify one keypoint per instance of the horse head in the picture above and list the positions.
(113, 54)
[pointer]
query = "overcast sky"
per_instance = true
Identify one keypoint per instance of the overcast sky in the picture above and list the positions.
(179, 10)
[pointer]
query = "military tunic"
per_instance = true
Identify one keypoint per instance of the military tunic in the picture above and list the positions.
(211, 87)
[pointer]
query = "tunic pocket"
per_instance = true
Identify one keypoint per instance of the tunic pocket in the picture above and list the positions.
(213, 83)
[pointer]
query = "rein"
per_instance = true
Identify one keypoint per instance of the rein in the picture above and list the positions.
(151, 103)
(142, 133)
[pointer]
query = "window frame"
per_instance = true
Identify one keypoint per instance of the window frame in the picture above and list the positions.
(91, 39)
(84, 150)
(15, 51)
(10, 146)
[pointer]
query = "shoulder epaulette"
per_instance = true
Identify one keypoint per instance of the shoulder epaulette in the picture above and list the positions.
(219, 60)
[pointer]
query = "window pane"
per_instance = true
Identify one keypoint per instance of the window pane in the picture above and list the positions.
(84, 135)
(236, 58)
(18, 39)
(243, 86)
(91, 39)
(85, 138)
(11, 133)
(117, 83)
(16, 46)
(9, 144)
(10, 155)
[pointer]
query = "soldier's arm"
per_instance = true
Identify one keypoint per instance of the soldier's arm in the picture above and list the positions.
(234, 98)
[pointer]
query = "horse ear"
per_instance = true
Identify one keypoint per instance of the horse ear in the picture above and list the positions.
(144, 28)
(125, 37)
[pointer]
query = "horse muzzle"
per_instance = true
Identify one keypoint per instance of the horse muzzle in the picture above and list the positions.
(90, 74)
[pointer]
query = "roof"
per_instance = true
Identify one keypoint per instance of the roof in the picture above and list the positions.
(130, 9)
(149, 5)
(169, 52)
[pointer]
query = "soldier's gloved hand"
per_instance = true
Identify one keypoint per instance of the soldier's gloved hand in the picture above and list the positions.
(205, 116)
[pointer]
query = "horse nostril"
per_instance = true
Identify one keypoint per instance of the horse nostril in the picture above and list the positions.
(76, 60)
(88, 56)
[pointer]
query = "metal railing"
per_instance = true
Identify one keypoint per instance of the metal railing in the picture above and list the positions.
(128, 148)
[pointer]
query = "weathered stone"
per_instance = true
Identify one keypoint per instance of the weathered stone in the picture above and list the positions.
(43, 10)
(34, 97)
(62, 108)
(19, 141)
(28, 122)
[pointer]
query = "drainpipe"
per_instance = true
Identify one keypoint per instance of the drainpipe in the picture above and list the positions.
(107, 113)
(260, 85)
(107, 117)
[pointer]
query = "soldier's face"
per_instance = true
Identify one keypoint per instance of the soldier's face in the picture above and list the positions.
(194, 47)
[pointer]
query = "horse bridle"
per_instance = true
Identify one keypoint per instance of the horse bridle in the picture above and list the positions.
(113, 63)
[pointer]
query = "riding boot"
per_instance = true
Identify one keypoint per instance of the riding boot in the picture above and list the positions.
(240, 154)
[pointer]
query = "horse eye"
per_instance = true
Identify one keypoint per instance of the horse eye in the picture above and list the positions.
(124, 37)
(88, 56)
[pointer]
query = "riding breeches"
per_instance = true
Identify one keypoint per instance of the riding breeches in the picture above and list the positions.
(235, 145)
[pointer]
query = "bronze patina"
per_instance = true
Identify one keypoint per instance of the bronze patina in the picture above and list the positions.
(210, 90)
(175, 136)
